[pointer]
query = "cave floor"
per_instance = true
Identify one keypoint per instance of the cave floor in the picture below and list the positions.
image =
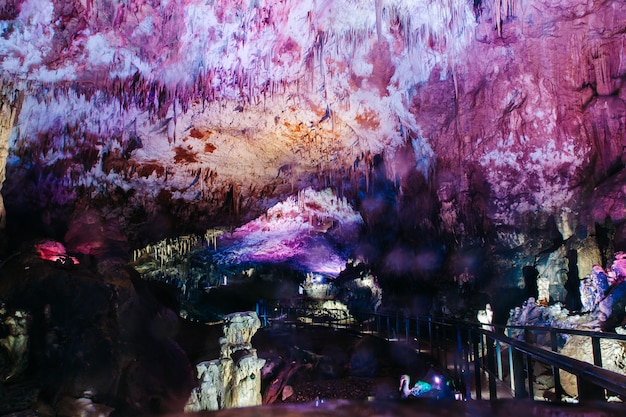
(318, 359)
(423, 408)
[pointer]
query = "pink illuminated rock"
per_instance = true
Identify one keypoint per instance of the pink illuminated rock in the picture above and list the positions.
(55, 252)
(300, 230)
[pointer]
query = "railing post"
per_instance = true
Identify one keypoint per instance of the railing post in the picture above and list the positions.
(491, 366)
(518, 373)
(397, 332)
(442, 345)
(477, 366)
(511, 367)
(406, 329)
(438, 341)
(556, 374)
(597, 352)
(588, 391)
(466, 358)
(418, 335)
(458, 361)
(529, 374)
(499, 359)
(430, 335)
(260, 314)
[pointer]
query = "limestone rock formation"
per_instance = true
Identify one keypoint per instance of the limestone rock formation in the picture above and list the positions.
(233, 380)
(245, 385)
(238, 331)
(209, 394)
(603, 296)
(14, 345)
(579, 347)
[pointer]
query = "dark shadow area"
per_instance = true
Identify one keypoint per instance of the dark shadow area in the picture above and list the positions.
(572, 285)
(531, 275)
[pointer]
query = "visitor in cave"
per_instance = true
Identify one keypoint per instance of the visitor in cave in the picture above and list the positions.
(465, 282)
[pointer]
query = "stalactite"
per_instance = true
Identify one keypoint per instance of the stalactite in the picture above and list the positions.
(378, 4)
(456, 83)
(509, 8)
(168, 251)
(367, 160)
(211, 235)
(498, 17)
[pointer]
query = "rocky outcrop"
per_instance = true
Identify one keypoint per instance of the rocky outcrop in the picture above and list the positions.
(14, 346)
(579, 347)
(93, 337)
(603, 296)
(233, 380)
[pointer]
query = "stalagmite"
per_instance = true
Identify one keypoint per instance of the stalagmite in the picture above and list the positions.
(231, 381)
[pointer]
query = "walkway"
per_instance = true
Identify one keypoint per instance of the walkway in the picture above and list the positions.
(483, 363)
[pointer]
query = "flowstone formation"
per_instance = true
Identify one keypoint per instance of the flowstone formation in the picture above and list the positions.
(233, 380)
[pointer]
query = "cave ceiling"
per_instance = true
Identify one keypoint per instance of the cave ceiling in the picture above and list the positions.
(471, 116)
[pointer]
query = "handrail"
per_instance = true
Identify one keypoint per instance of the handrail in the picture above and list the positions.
(576, 332)
(478, 351)
(604, 378)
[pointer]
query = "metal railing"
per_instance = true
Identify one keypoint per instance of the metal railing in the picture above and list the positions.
(477, 359)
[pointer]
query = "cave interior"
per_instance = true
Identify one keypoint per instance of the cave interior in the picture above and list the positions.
(166, 163)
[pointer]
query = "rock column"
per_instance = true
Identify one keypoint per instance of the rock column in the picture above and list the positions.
(233, 380)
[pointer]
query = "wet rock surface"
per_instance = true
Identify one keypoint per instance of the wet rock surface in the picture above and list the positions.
(425, 408)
